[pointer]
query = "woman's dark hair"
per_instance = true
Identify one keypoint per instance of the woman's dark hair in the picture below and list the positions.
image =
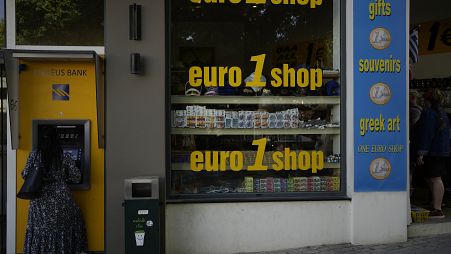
(50, 149)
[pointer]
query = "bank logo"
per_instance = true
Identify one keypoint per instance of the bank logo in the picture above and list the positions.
(60, 92)
(380, 38)
(380, 168)
(380, 93)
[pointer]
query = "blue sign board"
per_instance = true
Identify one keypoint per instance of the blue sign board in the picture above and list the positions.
(380, 89)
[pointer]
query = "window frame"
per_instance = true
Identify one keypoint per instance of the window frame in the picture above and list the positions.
(256, 196)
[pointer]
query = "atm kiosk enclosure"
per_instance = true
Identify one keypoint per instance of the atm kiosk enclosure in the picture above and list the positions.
(74, 136)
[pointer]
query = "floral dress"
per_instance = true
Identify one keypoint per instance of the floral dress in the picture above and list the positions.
(55, 222)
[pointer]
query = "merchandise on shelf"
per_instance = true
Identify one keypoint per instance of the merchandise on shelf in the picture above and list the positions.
(292, 184)
(200, 117)
(335, 158)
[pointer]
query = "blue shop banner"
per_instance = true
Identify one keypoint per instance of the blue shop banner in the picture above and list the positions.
(380, 88)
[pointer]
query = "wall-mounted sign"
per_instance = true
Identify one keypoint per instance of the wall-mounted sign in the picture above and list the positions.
(435, 37)
(380, 158)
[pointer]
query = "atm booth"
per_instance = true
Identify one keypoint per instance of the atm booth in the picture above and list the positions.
(62, 90)
(74, 137)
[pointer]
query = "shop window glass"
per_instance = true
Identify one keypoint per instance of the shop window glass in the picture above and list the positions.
(61, 23)
(255, 99)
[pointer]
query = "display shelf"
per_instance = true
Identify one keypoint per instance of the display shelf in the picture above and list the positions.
(229, 132)
(290, 100)
(186, 166)
(331, 74)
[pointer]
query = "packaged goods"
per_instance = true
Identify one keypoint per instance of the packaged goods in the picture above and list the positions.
(220, 119)
(263, 186)
(200, 113)
(249, 184)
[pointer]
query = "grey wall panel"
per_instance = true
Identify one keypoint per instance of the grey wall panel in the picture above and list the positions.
(135, 107)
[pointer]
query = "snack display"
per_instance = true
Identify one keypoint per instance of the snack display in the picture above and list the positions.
(200, 117)
(292, 184)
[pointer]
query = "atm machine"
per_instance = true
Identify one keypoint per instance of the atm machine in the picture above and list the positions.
(75, 139)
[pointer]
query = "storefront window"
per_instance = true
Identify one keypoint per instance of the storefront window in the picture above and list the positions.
(62, 23)
(255, 99)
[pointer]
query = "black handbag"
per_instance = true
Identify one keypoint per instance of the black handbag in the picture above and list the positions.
(32, 186)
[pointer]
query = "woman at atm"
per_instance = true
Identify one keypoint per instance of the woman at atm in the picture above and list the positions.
(55, 222)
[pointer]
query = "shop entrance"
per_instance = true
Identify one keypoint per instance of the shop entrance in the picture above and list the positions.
(430, 59)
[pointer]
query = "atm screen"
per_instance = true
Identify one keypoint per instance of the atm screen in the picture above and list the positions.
(74, 153)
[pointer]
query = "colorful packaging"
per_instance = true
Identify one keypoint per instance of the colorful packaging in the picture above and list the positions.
(263, 186)
(284, 185)
(270, 184)
(249, 184)
(264, 120)
(235, 119)
(190, 117)
(297, 183)
(277, 185)
(220, 118)
(279, 123)
(180, 119)
(210, 119)
(241, 119)
(257, 119)
(290, 184)
(257, 185)
(272, 120)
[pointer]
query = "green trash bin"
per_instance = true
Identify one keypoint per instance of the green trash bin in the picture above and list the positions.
(142, 215)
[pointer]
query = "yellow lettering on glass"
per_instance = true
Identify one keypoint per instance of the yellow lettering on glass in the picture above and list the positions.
(256, 1)
(278, 164)
(258, 164)
(312, 3)
(304, 160)
(214, 161)
(196, 160)
(260, 59)
(195, 76)
(236, 160)
(317, 161)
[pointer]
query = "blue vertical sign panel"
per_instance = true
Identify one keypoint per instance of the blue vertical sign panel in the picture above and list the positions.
(380, 88)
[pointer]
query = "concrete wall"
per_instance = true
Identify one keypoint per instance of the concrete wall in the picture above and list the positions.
(135, 111)
(258, 226)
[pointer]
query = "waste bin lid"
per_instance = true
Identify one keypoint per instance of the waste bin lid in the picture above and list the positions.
(142, 187)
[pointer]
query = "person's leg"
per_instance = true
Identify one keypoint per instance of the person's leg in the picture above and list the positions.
(437, 190)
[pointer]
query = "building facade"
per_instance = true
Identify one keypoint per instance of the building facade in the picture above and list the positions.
(271, 124)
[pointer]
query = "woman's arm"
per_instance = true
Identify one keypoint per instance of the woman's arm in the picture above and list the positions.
(29, 165)
(73, 174)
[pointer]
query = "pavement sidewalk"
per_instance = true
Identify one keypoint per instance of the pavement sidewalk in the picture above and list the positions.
(436, 244)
